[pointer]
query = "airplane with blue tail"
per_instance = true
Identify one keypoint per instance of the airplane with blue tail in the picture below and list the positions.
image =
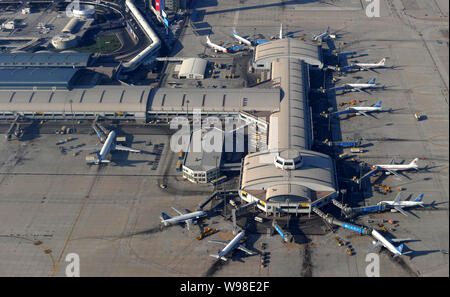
(388, 244)
(357, 86)
(397, 205)
(361, 110)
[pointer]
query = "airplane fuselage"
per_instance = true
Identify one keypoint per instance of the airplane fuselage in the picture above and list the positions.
(216, 47)
(230, 246)
(361, 86)
(402, 203)
(184, 217)
(106, 148)
(241, 39)
(397, 167)
(386, 243)
(365, 108)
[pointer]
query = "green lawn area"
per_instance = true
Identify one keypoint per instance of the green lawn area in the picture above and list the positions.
(103, 44)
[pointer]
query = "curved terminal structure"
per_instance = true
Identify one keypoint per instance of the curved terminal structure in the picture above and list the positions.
(151, 49)
(84, 11)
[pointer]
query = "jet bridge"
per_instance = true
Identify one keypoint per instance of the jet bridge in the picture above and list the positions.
(333, 221)
(351, 211)
(14, 129)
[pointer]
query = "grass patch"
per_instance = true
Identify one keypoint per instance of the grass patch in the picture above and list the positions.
(104, 44)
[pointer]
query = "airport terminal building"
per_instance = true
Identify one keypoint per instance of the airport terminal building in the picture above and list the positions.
(285, 176)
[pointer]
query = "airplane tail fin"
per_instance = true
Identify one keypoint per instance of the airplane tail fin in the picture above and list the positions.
(419, 198)
(382, 62)
(281, 31)
(400, 248)
(207, 39)
(372, 81)
(414, 162)
(234, 31)
(164, 216)
(379, 104)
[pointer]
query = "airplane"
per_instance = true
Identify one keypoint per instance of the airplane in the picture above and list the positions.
(398, 205)
(369, 66)
(214, 46)
(357, 86)
(324, 35)
(392, 168)
(280, 34)
(361, 110)
(241, 39)
(108, 146)
(361, 66)
(388, 244)
(231, 245)
(181, 218)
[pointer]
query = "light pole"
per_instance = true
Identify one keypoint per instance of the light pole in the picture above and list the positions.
(71, 111)
(187, 108)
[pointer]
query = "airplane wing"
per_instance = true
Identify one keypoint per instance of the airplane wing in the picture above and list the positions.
(179, 212)
(392, 161)
(400, 210)
(374, 246)
(400, 239)
(218, 241)
(245, 250)
(89, 148)
(397, 198)
(188, 224)
(364, 113)
(124, 148)
(394, 173)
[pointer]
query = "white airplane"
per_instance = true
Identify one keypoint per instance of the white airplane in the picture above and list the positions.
(398, 205)
(369, 66)
(324, 35)
(241, 39)
(361, 86)
(279, 35)
(361, 110)
(214, 46)
(231, 245)
(381, 240)
(392, 168)
(182, 218)
(106, 148)
(355, 86)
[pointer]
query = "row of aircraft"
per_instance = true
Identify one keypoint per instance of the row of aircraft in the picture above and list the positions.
(241, 40)
(396, 205)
